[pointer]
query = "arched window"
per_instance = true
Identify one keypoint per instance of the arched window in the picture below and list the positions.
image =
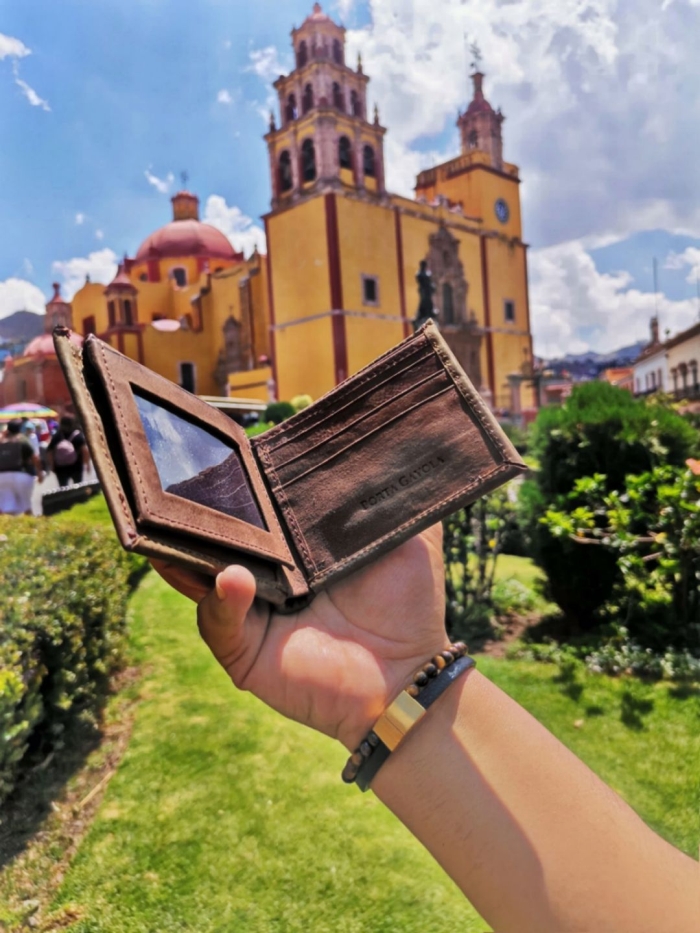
(128, 312)
(344, 152)
(473, 139)
(684, 374)
(338, 101)
(286, 179)
(337, 52)
(693, 373)
(355, 104)
(291, 109)
(111, 314)
(368, 162)
(180, 276)
(302, 54)
(448, 304)
(308, 101)
(308, 160)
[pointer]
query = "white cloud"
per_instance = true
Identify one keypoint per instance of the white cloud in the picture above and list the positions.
(224, 97)
(29, 92)
(163, 185)
(344, 8)
(20, 295)
(243, 233)
(79, 218)
(12, 48)
(99, 234)
(265, 63)
(690, 257)
(599, 112)
(101, 266)
(574, 307)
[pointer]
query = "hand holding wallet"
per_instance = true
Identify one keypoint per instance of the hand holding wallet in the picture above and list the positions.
(391, 450)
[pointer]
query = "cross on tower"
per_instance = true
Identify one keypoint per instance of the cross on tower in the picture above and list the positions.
(184, 178)
(476, 56)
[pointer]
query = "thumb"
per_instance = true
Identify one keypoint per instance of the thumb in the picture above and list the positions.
(221, 616)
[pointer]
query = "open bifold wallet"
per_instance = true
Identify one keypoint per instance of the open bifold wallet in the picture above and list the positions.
(396, 447)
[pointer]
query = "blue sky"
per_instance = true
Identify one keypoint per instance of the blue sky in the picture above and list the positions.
(601, 118)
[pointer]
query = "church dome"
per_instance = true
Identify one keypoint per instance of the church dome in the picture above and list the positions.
(186, 235)
(186, 238)
(43, 345)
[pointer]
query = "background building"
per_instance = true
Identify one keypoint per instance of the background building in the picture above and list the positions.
(343, 252)
(337, 287)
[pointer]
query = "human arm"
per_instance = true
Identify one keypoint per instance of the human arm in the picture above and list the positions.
(530, 835)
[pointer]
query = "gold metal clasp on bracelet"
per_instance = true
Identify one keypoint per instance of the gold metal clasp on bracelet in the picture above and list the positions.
(397, 719)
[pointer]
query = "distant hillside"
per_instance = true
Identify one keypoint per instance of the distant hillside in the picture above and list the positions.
(22, 325)
(591, 364)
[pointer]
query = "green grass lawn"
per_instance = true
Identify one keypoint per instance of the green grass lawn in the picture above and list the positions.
(223, 816)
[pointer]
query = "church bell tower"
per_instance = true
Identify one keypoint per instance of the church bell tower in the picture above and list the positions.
(325, 140)
(480, 125)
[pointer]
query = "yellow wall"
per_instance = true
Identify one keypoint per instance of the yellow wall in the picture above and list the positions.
(252, 384)
(303, 352)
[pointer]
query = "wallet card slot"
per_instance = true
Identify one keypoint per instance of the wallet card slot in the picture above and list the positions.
(378, 419)
(357, 417)
(298, 428)
(390, 482)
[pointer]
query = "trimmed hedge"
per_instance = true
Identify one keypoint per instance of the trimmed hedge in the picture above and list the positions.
(63, 601)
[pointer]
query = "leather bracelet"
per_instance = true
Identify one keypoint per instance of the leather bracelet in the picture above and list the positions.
(400, 717)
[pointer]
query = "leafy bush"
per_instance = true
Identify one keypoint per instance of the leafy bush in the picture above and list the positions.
(600, 430)
(604, 429)
(652, 531)
(300, 402)
(277, 412)
(512, 596)
(615, 655)
(63, 596)
(472, 541)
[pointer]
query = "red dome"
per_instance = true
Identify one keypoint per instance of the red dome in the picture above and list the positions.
(43, 345)
(184, 238)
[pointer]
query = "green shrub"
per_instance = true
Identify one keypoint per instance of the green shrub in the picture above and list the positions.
(300, 402)
(512, 596)
(599, 430)
(63, 595)
(277, 412)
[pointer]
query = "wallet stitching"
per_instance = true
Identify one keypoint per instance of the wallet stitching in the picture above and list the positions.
(361, 417)
(103, 443)
(370, 548)
(181, 549)
(359, 380)
(292, 523)
(230, 538)
(380, 427)
(472, 397)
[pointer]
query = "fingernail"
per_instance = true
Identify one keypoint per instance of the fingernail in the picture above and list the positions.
(219, 589)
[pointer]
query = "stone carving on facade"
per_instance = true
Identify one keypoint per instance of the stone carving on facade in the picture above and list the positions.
(459, 326)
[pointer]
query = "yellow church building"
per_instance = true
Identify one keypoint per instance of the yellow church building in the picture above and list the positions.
(337, 287)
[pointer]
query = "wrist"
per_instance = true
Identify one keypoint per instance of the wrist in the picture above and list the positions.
(365, 705)
(405, 712)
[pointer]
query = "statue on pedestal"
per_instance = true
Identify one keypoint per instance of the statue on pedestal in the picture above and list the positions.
(426, 289)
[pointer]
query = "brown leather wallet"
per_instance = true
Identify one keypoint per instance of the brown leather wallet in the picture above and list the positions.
(388, 452)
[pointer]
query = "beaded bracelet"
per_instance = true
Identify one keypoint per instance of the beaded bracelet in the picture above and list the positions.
(428, 684)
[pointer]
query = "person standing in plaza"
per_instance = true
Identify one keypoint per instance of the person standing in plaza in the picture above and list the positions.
(68, 452)
(19, 468)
